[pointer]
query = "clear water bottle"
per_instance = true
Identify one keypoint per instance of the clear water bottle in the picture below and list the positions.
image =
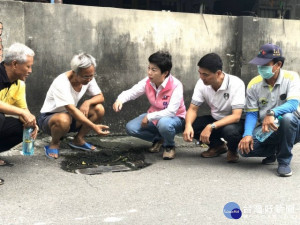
(28, 142)
(261, 136)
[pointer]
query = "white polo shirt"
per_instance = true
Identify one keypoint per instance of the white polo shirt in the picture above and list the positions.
(231, 95)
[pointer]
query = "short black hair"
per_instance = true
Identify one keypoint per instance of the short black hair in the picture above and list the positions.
(163, 60)
(212, 62)
(276, 60)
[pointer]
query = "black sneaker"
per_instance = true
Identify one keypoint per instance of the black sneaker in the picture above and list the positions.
(284, 170)
(269, 160)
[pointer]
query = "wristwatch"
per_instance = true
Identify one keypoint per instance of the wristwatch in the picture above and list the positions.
(213, 126)
(270, 112)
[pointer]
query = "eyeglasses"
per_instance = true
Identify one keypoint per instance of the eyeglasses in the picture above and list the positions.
(88, 77)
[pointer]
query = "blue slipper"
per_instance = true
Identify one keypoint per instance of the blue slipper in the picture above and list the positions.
(49, 151)
(86, 146)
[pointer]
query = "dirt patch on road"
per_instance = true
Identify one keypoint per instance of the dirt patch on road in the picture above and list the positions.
(107, 154)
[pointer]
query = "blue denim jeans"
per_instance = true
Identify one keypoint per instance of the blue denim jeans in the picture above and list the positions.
(166, 129)
(280, 142)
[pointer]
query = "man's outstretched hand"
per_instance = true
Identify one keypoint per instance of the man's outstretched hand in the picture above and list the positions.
(101, 129)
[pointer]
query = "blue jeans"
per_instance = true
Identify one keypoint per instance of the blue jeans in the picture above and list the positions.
(166, 129)
(280, 142)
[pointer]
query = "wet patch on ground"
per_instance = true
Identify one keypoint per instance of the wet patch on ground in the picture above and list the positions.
(110, 156)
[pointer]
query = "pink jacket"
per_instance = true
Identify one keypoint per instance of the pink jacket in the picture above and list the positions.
(163, 98)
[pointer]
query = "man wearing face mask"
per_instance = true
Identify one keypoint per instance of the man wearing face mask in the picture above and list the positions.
(274, 92)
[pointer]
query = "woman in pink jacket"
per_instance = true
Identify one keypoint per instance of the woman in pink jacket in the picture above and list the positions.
(165, 117)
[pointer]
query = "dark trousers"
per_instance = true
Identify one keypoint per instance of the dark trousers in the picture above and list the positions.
(280, 142)
(232, 133)
(11, 132)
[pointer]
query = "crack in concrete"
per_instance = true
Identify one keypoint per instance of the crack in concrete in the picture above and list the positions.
(89, 184)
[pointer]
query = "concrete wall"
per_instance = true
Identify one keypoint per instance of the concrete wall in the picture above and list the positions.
(12, 17)
(258, 31)
(121, 40)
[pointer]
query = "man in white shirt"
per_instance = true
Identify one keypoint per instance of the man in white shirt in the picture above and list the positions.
(225, 95)
(165, 117)
(60, 115)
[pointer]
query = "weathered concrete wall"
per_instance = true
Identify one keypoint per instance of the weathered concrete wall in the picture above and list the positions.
(12, 17)
(255, 32)
(121, 40)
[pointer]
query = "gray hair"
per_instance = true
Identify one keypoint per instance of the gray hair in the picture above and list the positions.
(18, 52)
(82, 61)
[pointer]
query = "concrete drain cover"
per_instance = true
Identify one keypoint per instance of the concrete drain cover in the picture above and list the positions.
(103, 169)
(106, 160)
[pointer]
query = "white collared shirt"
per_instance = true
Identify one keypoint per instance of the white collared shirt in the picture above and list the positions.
(231, 95)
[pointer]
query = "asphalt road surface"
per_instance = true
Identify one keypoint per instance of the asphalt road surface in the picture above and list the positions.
(186, 190)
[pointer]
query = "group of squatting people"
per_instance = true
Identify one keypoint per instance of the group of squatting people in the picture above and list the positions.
(274, 92)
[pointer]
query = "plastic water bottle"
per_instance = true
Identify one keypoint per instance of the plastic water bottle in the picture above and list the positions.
(261, 136)
(28, 142)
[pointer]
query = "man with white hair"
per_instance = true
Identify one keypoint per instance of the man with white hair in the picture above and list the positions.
(60, 115)
(14, 70)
